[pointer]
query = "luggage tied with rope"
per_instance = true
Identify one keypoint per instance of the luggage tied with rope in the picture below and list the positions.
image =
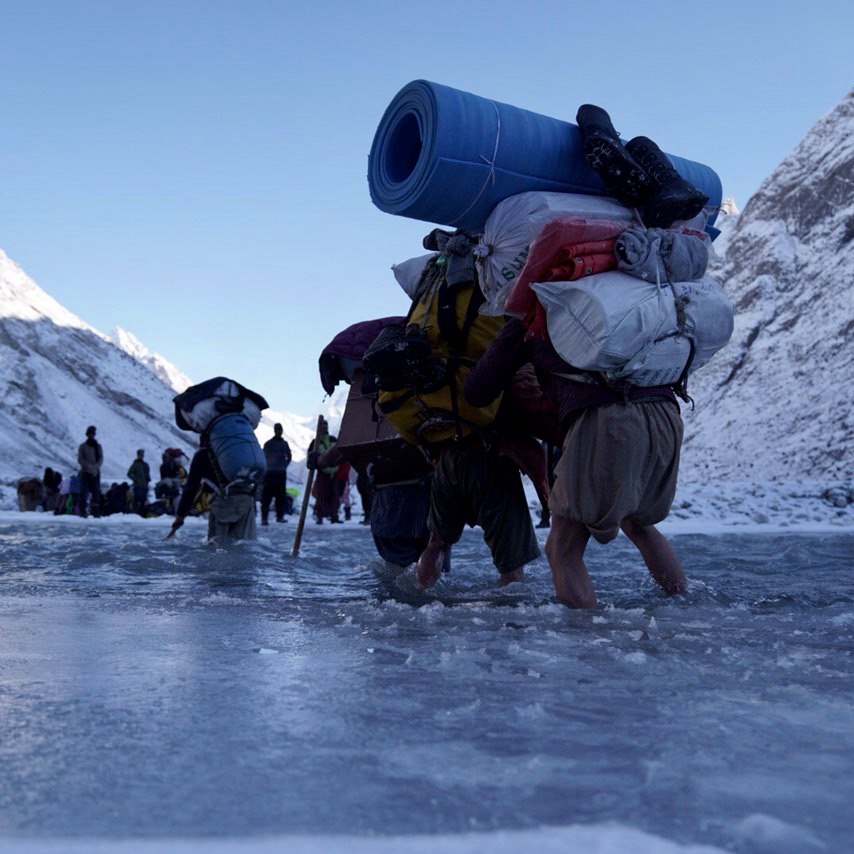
(420, 366)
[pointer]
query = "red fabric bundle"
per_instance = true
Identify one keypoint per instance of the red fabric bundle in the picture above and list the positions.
(581, 266)
(595, 247)
(583, 259)
(559, 241)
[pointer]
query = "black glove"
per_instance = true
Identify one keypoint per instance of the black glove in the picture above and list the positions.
(311, 460)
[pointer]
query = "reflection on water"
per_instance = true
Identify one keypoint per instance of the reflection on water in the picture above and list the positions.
(165, 688)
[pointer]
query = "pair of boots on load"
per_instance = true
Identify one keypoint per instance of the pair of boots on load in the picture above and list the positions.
(638, 174)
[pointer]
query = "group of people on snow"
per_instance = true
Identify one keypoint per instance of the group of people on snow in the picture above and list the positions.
(81, 493)
(627, 441)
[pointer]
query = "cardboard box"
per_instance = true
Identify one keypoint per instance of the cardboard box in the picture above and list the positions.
(368, 440)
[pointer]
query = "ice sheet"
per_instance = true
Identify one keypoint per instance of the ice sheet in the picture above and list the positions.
(153, 689)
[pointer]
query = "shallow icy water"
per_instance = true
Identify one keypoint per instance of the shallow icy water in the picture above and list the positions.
(152, 688)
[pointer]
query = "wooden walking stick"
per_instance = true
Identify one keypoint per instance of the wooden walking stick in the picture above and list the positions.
(307, 494)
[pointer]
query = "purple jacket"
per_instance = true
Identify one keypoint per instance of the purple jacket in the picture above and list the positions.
(509, 351)
(344, 352)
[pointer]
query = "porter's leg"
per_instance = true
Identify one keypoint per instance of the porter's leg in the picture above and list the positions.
(565, 551)
(658, 555)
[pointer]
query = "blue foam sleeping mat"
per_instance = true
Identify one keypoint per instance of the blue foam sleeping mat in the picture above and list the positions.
(446, 156)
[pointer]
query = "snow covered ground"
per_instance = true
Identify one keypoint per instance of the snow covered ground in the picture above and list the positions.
(717, 507)
(800, 506)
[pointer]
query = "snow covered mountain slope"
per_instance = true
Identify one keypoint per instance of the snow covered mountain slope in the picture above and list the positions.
(164, 369)
(298, 430)
(58, 375)
(775, 404)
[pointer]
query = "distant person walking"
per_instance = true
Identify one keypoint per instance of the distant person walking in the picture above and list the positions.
(140, 476)
(325, 457)
(278, 454)
(90, 457)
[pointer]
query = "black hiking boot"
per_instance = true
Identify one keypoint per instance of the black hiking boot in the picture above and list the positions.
(673, 198)
(624, 177)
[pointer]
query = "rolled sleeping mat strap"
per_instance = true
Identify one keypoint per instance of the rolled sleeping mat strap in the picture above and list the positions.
(446, 156)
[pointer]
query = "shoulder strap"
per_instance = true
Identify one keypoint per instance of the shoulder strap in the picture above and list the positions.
(457, 335)
(218, 473)
(472, 312)
(428, 285)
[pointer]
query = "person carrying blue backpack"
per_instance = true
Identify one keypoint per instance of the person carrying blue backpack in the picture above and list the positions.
(230, 463)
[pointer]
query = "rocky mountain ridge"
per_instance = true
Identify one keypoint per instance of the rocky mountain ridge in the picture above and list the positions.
(775, 404)
(58, 375)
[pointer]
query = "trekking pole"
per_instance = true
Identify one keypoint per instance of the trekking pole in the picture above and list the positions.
(307, 494)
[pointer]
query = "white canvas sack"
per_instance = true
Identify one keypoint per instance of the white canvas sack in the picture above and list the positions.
(409, 273)
(201, 415)
(629, 328)
(517, 222)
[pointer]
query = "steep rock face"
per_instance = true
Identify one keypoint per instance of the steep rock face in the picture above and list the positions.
(58, 375)
(775, 404)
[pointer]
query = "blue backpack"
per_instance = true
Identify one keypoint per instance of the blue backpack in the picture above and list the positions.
(237, 455)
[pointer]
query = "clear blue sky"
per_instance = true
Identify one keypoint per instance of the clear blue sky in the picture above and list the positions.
(195, 171)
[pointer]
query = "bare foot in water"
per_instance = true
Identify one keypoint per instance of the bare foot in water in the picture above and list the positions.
(515, 576)
(431, 562)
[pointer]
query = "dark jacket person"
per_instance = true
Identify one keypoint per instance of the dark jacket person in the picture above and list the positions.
(278, 455)
(140, 475)
(90, 457)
